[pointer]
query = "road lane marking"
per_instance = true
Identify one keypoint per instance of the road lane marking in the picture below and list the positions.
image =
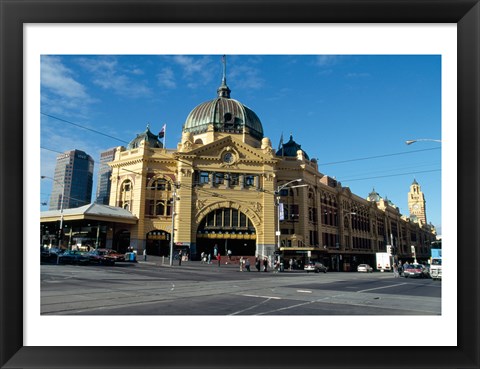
(267, 299)
(263, 297)
(304, 291)
(379, 288)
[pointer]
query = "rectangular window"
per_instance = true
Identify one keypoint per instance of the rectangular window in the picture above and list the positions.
(249, 180)
(226, 217)
(203, 177)
(234, 179)
(243, 220)
(210, 220)
(219, 178)
(284, 192)
(234, 218)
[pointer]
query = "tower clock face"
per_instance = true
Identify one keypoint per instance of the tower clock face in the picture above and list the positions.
(416, 206)
(228, 158)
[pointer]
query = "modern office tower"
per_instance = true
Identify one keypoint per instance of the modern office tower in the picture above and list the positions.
(103, 180)
(73, 179)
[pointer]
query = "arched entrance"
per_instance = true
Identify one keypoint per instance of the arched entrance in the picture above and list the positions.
(158, 243)
(228, 229)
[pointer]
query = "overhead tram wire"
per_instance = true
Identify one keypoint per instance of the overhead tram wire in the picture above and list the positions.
(390, 175)
(378, 156)
(83, 127)
(319, 164)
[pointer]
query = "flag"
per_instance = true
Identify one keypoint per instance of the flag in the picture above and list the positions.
(280, 144)
(161, 134)
(281, 213)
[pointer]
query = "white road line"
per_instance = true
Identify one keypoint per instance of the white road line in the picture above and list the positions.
(263, 297)
(379, 288)
(267, 299)
(304, 291)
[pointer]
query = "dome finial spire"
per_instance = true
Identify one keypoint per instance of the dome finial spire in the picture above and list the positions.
(223, 90)
(224, 61)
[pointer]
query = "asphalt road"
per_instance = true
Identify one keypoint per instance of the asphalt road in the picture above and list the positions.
(151, 288)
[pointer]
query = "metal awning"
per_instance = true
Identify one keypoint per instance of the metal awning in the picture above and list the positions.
(104, 213)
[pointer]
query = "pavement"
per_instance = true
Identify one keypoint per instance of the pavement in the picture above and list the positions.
(165, 262)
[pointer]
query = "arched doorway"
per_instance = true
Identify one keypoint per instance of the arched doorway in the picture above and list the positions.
(227, 229)
(158, 243)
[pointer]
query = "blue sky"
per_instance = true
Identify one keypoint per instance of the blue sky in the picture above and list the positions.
(339, 108)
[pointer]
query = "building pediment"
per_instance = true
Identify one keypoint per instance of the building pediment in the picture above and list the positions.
(229, 151)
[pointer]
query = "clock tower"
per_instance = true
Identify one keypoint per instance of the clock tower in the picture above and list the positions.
(416, 202)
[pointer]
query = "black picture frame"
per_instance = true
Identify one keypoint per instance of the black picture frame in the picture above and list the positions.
(15, 13)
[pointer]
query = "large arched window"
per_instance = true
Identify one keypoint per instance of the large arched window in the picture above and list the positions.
(158, 197)
(126, 196)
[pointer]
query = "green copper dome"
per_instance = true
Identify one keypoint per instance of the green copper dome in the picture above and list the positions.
(147, 136)
(225, 114)
(290, 149)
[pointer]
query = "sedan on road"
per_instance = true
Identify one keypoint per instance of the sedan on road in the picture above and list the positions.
(315, 267)
(414, 270)
(73, 257)
(113, 254)
(100, 256)
(364, 268)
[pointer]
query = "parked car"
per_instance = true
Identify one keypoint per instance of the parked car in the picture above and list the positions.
(364, 268)
(315, 267)
(73, 257)
(100, 256)
(414, 270)
(50, 255)
(113, 254)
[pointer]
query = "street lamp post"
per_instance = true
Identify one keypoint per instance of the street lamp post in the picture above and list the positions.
(174, 198)
(409, 142)
(277, 193)
(61, 207)
(340, 233)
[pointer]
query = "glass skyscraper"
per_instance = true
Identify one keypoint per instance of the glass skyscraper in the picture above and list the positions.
(74, 179)
(104, 174)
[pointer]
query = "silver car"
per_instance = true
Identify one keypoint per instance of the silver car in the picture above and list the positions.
(364, 268)
(315, 267)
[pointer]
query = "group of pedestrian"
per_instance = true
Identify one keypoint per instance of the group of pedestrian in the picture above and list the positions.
(205, 259)
(244, 263)
(398, 269)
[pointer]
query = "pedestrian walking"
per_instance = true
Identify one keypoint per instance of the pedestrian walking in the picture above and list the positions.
(180, 258)
(240, 264)
(395, 270)
(209, 258)
(229, 253)
(290, 263)
(247, 264)
(219, 258)
(202, 257)
(144, 254)
(257, 263)
(265, 264)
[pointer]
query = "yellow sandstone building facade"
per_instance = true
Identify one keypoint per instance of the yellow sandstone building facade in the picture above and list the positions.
(224, 187)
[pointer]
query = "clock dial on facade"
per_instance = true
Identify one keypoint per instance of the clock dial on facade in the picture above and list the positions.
(416, 207)
(228, 158)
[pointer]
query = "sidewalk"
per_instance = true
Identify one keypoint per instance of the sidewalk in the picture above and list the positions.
(197, 264)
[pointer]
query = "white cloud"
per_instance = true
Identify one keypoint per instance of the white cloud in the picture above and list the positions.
(196, 70)
(166, 78)
(109, 75)
(246, 76)
(59, 79)
(326, 60)
(61, 91)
